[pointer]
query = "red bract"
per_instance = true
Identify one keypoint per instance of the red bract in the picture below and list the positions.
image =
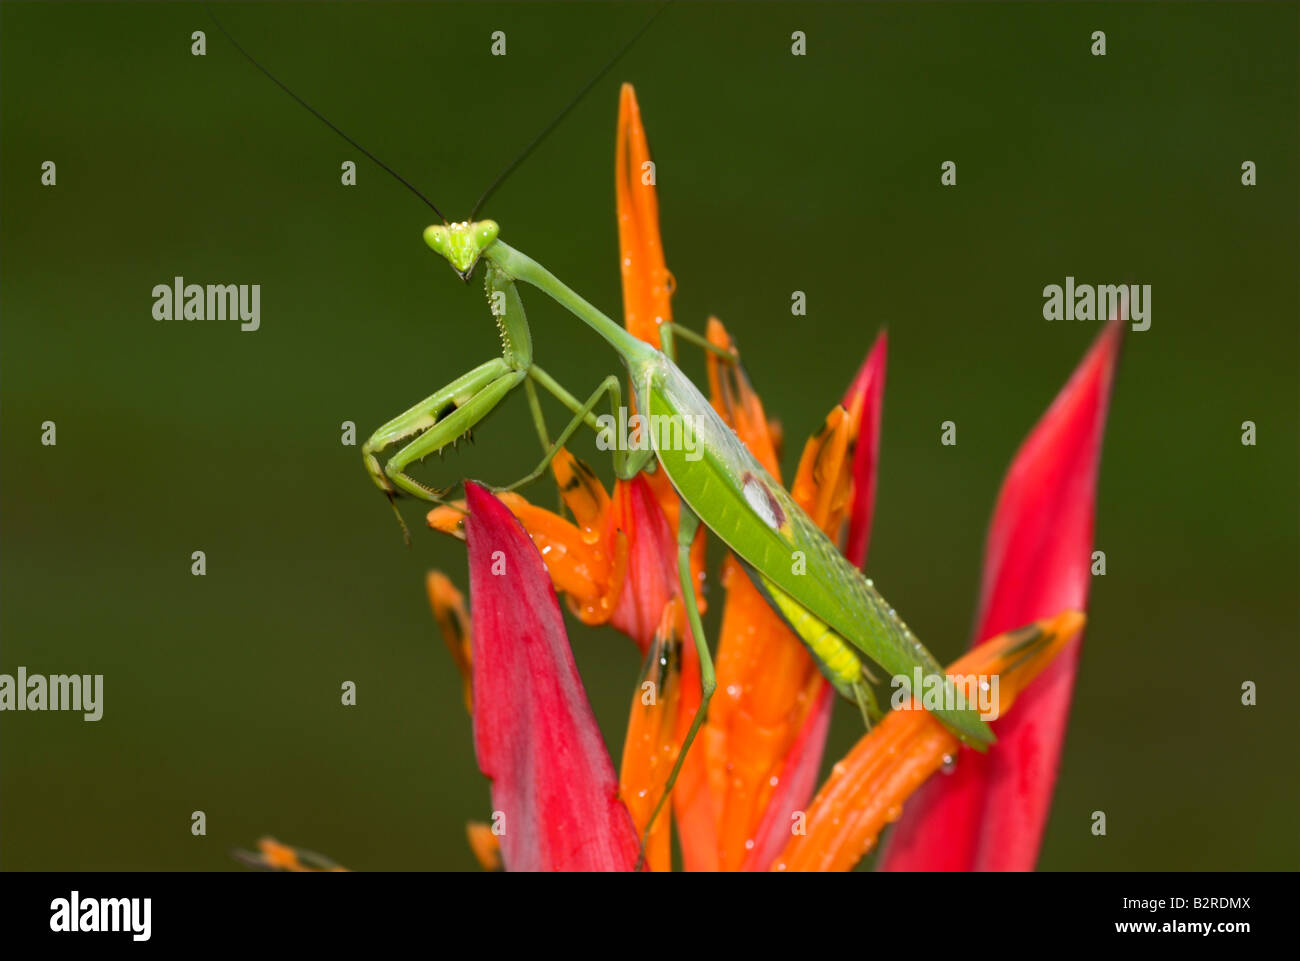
(867, 390)
(651, 561)
(989, 815)
(554, 791)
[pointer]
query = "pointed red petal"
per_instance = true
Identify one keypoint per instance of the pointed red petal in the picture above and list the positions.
(989, 815)
(868, 389)
(554, 790)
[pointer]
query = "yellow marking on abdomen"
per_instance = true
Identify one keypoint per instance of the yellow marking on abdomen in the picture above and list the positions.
(838, 658)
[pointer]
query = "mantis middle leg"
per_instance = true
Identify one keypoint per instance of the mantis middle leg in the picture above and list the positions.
(687, 525)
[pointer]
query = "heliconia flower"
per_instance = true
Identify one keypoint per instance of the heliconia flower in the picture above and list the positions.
(755, 765)
(554, 792)
(990, 815)
(761, 749)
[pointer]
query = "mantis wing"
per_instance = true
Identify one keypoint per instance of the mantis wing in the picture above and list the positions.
(758, 519)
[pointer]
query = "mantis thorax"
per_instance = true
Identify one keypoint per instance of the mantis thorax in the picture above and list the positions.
(462, 243)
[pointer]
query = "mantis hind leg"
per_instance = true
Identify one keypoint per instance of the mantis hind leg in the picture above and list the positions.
(626, 463)
(865, 698)
(668, 332)
(438, 420)
(582, 415)
(687, 525)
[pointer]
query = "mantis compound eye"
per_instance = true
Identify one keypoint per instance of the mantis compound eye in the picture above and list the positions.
(485, 231)
(436, 237)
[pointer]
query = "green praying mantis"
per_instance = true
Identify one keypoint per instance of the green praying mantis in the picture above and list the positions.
(829, 603)
(826, 600)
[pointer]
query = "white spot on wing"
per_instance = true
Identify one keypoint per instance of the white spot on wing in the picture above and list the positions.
(761, 502)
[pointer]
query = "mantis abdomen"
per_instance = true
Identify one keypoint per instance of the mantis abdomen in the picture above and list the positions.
(836, 657)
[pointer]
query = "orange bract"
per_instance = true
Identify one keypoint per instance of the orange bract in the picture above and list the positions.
(274, 856)
(652, 744)
(647, 284)
(587, 560)
(867, 789)
(485, 845)
(452, 617)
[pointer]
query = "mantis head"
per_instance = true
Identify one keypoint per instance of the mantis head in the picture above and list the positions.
(462, 243)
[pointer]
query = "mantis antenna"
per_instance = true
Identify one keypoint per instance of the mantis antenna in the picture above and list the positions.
(514, 164)
(325, 120)
(528, 149)
(532, 144)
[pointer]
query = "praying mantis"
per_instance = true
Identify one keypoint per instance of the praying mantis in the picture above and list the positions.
(834, 609)
(829, 603)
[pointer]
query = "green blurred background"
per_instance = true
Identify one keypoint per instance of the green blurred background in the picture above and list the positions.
(818, 173)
